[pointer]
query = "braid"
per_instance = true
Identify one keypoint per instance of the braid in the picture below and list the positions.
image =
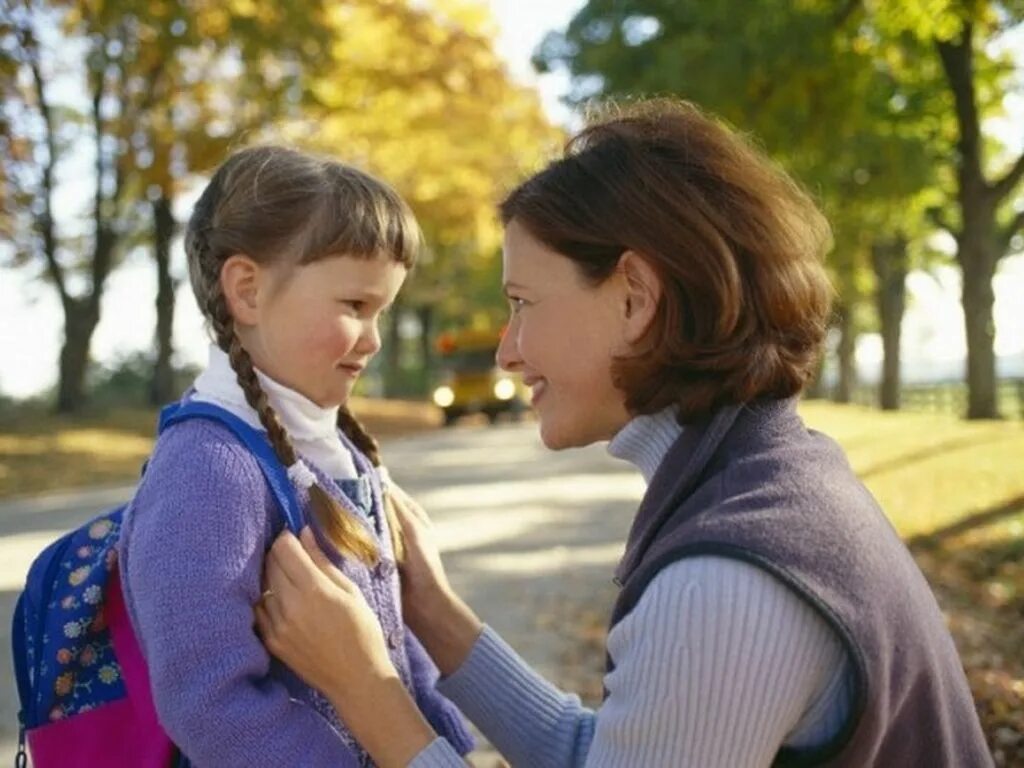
(354, 431)
(337, 523)
(272, 203)
(365, 442)
(257, 398)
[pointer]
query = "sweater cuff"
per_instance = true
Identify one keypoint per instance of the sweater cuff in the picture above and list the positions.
(513, 706)
(438, 754)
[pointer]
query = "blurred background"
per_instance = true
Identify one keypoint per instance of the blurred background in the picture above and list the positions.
(904, 118)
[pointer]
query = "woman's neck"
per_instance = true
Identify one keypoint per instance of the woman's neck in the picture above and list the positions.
(645, 440)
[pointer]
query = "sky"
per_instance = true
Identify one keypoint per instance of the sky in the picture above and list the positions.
(31, 321)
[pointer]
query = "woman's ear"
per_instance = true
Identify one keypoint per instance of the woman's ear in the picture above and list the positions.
(642, 294)
(240, 280)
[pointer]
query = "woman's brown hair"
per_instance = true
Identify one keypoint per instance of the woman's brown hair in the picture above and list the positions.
(737, 245)
(273, 203)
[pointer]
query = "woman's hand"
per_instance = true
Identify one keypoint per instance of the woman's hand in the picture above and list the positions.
(445, 625)
(315, 620)
(423, 574)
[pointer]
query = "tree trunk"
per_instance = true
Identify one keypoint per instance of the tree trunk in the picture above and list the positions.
(161, 388)
(978, 248)
(426, 315)
(81, 317)
(978, 266)
(889, 259)
(847, 379)
(816, 388)
(393, 353)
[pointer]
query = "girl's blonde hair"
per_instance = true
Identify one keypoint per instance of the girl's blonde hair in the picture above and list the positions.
(273, 204)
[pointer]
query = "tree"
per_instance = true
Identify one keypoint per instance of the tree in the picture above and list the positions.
(831, 112)
(226, 74)
(161, 102)
(960, 34)
(35, 168)
(418, 95)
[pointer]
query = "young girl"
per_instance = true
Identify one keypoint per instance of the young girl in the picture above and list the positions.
(292, 260)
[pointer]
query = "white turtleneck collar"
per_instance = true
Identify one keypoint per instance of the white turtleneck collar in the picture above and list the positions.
(645, 440)
(313, 430)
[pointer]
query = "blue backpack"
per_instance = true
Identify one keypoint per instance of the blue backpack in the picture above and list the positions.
(82, 682)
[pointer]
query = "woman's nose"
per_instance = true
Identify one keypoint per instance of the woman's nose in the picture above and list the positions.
(507, 355)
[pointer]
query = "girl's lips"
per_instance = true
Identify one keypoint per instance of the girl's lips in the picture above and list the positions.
(351, 369)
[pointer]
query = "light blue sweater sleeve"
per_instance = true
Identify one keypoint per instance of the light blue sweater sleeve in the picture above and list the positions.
(714, 646)
(526, 718)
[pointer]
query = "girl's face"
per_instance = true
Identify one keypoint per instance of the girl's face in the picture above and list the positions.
(313, 327)
(562, 337)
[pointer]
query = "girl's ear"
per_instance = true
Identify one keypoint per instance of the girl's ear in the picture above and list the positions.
(240, 279)
(641, 297)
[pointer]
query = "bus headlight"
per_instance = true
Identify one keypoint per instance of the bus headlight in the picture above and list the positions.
(504, 389)
(443, 397)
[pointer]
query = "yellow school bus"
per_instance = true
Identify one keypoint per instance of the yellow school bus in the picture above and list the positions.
(472, 382)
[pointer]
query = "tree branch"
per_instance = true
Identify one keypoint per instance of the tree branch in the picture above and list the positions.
(1004, 186)
(100, 224)
(44, 221)
(1006, 236)
(844, 13)
(937, 216)
(958, 65)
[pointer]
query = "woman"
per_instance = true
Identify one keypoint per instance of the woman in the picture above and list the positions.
(668, 295)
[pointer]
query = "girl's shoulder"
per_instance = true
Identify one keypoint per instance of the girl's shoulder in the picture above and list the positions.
(201, 456)
(202, 485)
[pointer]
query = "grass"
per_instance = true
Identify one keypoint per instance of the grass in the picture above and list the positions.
(40, 451)
(928, 471)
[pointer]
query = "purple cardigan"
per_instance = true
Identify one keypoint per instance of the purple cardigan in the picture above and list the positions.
(192, 550)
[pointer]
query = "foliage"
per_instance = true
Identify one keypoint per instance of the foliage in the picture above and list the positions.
(418, 95)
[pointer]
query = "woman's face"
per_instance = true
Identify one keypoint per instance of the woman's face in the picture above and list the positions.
(562, 337)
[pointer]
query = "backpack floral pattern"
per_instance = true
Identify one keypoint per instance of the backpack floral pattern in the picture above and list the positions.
(76, 668)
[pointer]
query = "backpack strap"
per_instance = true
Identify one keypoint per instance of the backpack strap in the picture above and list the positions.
(253, 439)
(20, 655)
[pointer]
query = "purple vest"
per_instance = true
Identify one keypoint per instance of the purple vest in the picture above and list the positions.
(753, 483)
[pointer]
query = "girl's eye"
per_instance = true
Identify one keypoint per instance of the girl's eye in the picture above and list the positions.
(354, 304)
(516, 304)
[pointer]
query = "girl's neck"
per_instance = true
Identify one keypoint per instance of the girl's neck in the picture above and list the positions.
(313, 429)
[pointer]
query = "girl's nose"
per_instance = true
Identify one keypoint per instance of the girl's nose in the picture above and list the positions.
(370, 338)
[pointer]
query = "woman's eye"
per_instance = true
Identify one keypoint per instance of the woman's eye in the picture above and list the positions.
(516, 304)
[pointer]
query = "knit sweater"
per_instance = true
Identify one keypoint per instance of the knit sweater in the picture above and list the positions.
(713, 646)
(191, 558)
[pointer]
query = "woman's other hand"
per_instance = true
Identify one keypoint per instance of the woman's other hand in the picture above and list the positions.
(445, 625)
(315, 620)
(310, 609)
(423, 574)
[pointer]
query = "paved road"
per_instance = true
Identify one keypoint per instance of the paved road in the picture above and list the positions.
(528, 534)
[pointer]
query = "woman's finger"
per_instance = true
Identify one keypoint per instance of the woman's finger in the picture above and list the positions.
(410, 516)
(321, 561)
(312, 547)
(408, 507)
(287, 561)
(264, 624)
